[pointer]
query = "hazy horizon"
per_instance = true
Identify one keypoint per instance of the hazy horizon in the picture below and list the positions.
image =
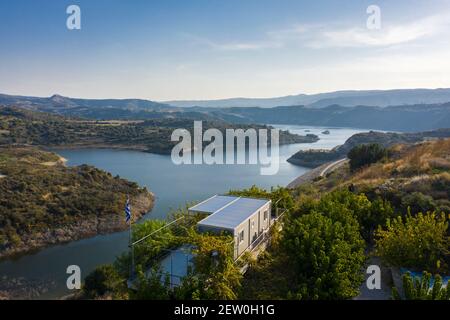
(213, 50)
(216, 99)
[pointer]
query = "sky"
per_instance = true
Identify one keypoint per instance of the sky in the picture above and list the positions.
(211, 49)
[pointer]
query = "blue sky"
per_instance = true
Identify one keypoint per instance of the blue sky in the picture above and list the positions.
(208, 49)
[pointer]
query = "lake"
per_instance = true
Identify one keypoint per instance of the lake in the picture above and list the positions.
(173, 185)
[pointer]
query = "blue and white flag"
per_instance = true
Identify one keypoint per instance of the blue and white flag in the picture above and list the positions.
(127, 211)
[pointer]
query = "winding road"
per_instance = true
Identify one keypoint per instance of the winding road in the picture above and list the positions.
(320, 171)
(332, 166)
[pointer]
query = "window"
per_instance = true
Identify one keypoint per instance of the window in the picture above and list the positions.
(241, 236)
(253, 224)
(265, 215)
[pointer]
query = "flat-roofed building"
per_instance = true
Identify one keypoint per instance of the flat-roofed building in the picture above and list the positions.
(247, 219)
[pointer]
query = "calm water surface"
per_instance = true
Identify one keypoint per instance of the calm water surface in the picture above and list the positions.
(173, 186)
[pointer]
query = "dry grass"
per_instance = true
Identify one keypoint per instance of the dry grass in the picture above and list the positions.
(418, 173)
(410, 166)
(376, 171)
(422, 158)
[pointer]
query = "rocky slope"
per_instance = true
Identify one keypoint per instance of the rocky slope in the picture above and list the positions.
(42, 204)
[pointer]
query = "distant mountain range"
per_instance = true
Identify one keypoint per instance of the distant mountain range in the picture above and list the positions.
(374, 112)
(349, 98)
(57, 103)
(408, 118)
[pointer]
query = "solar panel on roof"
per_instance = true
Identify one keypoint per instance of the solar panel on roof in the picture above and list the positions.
(213, 204)
(236, 212)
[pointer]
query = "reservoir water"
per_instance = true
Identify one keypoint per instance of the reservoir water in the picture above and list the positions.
(173, 185)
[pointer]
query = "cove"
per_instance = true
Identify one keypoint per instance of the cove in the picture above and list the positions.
(173, 185)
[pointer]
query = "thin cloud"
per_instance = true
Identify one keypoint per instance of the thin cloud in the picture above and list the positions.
(234, 46)
(388, 35)
(318, 36)
(245, 46)
(334, 35)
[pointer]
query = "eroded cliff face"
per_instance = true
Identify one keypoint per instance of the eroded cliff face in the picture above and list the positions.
(85, 227)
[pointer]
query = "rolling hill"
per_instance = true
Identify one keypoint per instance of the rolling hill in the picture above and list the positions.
(348, 98)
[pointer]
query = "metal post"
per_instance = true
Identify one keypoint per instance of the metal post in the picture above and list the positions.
(132, 250)
(131, 244)
(171, 269)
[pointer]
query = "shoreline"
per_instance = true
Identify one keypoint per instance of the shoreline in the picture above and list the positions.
(84, 229)
(317, 172)
(137, 148)
(306, 177)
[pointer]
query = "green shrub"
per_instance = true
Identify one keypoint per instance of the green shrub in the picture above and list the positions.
(366, 154)
(418, 202)
(102, 281)
(419, 242)
(327, 253)
(422, 289)
(153, 286)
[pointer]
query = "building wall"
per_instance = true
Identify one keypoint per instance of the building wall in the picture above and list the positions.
(253, 228)
(241, 245)
(265, 224)
(249, 233)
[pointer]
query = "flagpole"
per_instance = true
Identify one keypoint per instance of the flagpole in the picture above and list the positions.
(131, 243)
(132, 250)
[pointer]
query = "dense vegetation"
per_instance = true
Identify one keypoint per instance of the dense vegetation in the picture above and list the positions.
(423, 288)
(42, 201)
(207, 279)
(366, 154)
(319, 255)
(420, 242)
(380, 203)
(327, 253)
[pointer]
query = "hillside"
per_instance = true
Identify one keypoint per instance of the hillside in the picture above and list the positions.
(393, 110)
(315, 158)
(393, 213)
(43, 202)
(19, 126)
(60, 104)
(415, 176)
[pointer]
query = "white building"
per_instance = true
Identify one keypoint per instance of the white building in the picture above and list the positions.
(246, 219)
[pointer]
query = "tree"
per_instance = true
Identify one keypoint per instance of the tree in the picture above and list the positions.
(102, 281)
(152, 286)
(419, 242)
(370, 214)
(279, 195)
(215, 275)
(422, 288)
(418, 202)
(327, 253)
(366, 154)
